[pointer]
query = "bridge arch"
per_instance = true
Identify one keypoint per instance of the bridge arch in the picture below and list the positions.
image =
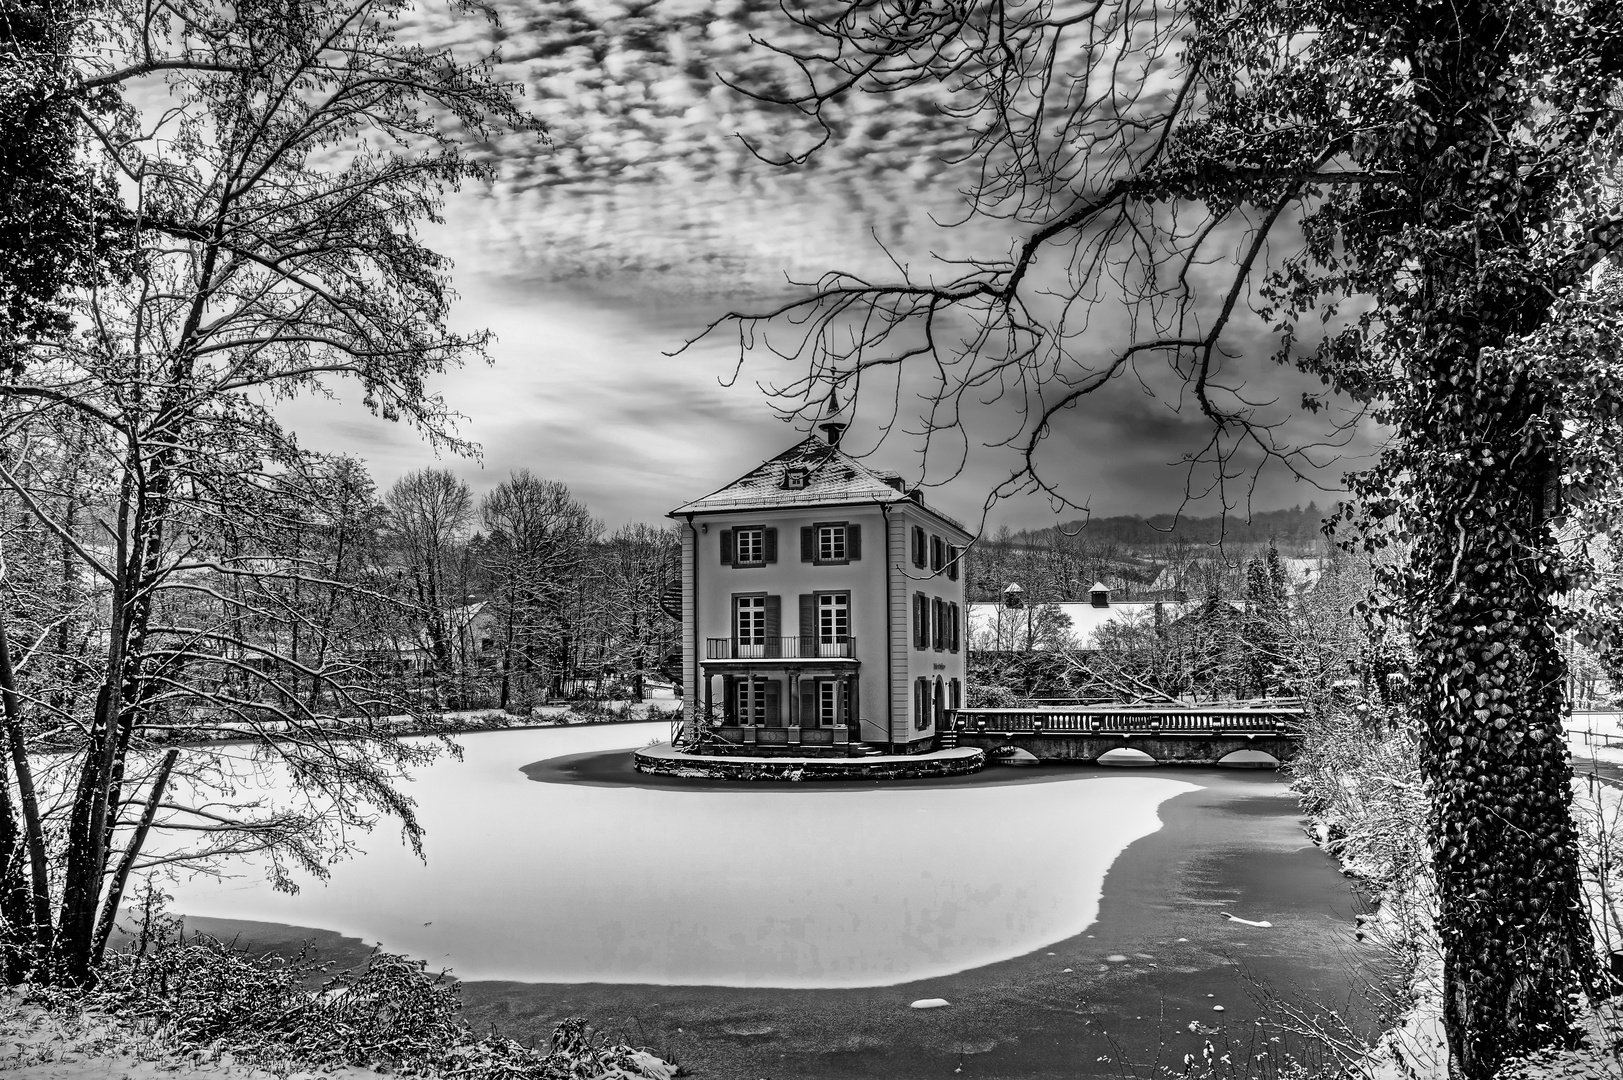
(1249, 759)
(1125, 755)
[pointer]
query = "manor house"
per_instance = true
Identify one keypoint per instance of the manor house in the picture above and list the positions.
(822, 606)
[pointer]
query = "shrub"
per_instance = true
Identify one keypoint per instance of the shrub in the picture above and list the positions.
(390, 1015)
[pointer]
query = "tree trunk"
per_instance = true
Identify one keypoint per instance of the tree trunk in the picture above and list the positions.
(1511, 918)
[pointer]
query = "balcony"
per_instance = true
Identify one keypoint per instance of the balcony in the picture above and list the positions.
(781, 648)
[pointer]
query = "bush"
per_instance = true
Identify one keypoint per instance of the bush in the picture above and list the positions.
(391, 1015)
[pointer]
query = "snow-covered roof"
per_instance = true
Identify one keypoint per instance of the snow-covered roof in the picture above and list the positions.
(832, 478)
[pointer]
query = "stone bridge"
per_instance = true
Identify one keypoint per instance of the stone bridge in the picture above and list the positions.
(1171, 734)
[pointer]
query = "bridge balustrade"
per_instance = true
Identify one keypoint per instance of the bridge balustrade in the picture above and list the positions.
(1128, 721)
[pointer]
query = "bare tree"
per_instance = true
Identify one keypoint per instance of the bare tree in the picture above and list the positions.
(274, 189)
(429, 511)
(1415, 197)
(635, 566)
(538, 537)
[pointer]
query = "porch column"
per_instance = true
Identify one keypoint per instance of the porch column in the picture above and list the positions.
(709, 688)
(792, 688)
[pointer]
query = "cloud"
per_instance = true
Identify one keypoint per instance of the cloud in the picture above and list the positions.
(647, 217)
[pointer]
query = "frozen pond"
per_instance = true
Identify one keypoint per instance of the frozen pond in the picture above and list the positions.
(746, 885)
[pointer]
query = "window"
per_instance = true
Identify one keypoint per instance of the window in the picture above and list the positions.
(828, 703)
(831, 542)
(756, 701)
(749, 545)
(921, 632)
(794, 479)
(918, 546)
(749, 626)
(833, 623)
(825, 703)
(921, 703)
(938, 554)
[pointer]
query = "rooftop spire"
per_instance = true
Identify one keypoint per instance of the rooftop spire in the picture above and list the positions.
(832, 429)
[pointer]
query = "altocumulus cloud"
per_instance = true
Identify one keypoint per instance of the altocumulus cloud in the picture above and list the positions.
(646, 216)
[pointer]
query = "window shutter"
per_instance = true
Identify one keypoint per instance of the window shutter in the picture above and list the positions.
(726, 547)
(955, 639)
(936, 627)
(808, 702)
(729, 699)
(770, 545)
(853, 542)
(808, 624)
(773, 700)
(918, 546)
(808, 544)
(774, 625)
(952, 562)
(937, 555)
(918, 620)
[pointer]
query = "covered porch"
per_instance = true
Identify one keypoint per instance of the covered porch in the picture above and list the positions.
(804, 705)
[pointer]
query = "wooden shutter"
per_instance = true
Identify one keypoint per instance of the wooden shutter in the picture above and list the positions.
(952, 641)
(935, 624)
(729, 699)
(918, 546)
(726, 547)
(853, 542)
(853, 714)
(952, 562)
(808, 544)
(769, 545)
(808, 624)
(808, 702)
(772, 699)
(774, 625)
(918, 620)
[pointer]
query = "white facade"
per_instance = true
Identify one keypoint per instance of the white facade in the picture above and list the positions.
(808, 619)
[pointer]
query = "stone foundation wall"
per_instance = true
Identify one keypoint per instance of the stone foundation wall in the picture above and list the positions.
(735, 768)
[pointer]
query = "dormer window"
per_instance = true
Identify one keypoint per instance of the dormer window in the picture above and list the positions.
(794, 479)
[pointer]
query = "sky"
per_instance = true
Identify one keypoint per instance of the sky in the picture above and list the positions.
(595, 256)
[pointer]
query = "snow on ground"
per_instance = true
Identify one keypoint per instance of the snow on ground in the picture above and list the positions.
(39, 1045)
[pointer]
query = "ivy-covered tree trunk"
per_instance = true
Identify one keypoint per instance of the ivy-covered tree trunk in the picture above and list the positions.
(1515, 939)
(1478, 449)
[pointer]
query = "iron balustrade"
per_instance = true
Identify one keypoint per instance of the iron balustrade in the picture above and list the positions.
(781, 648)
(1169, 720)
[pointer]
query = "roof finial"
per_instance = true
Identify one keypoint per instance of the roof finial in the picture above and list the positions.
(832, 428)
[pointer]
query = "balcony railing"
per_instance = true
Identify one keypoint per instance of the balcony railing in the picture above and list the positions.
(781, 648)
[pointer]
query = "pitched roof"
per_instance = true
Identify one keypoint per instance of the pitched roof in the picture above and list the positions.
(833, 478)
